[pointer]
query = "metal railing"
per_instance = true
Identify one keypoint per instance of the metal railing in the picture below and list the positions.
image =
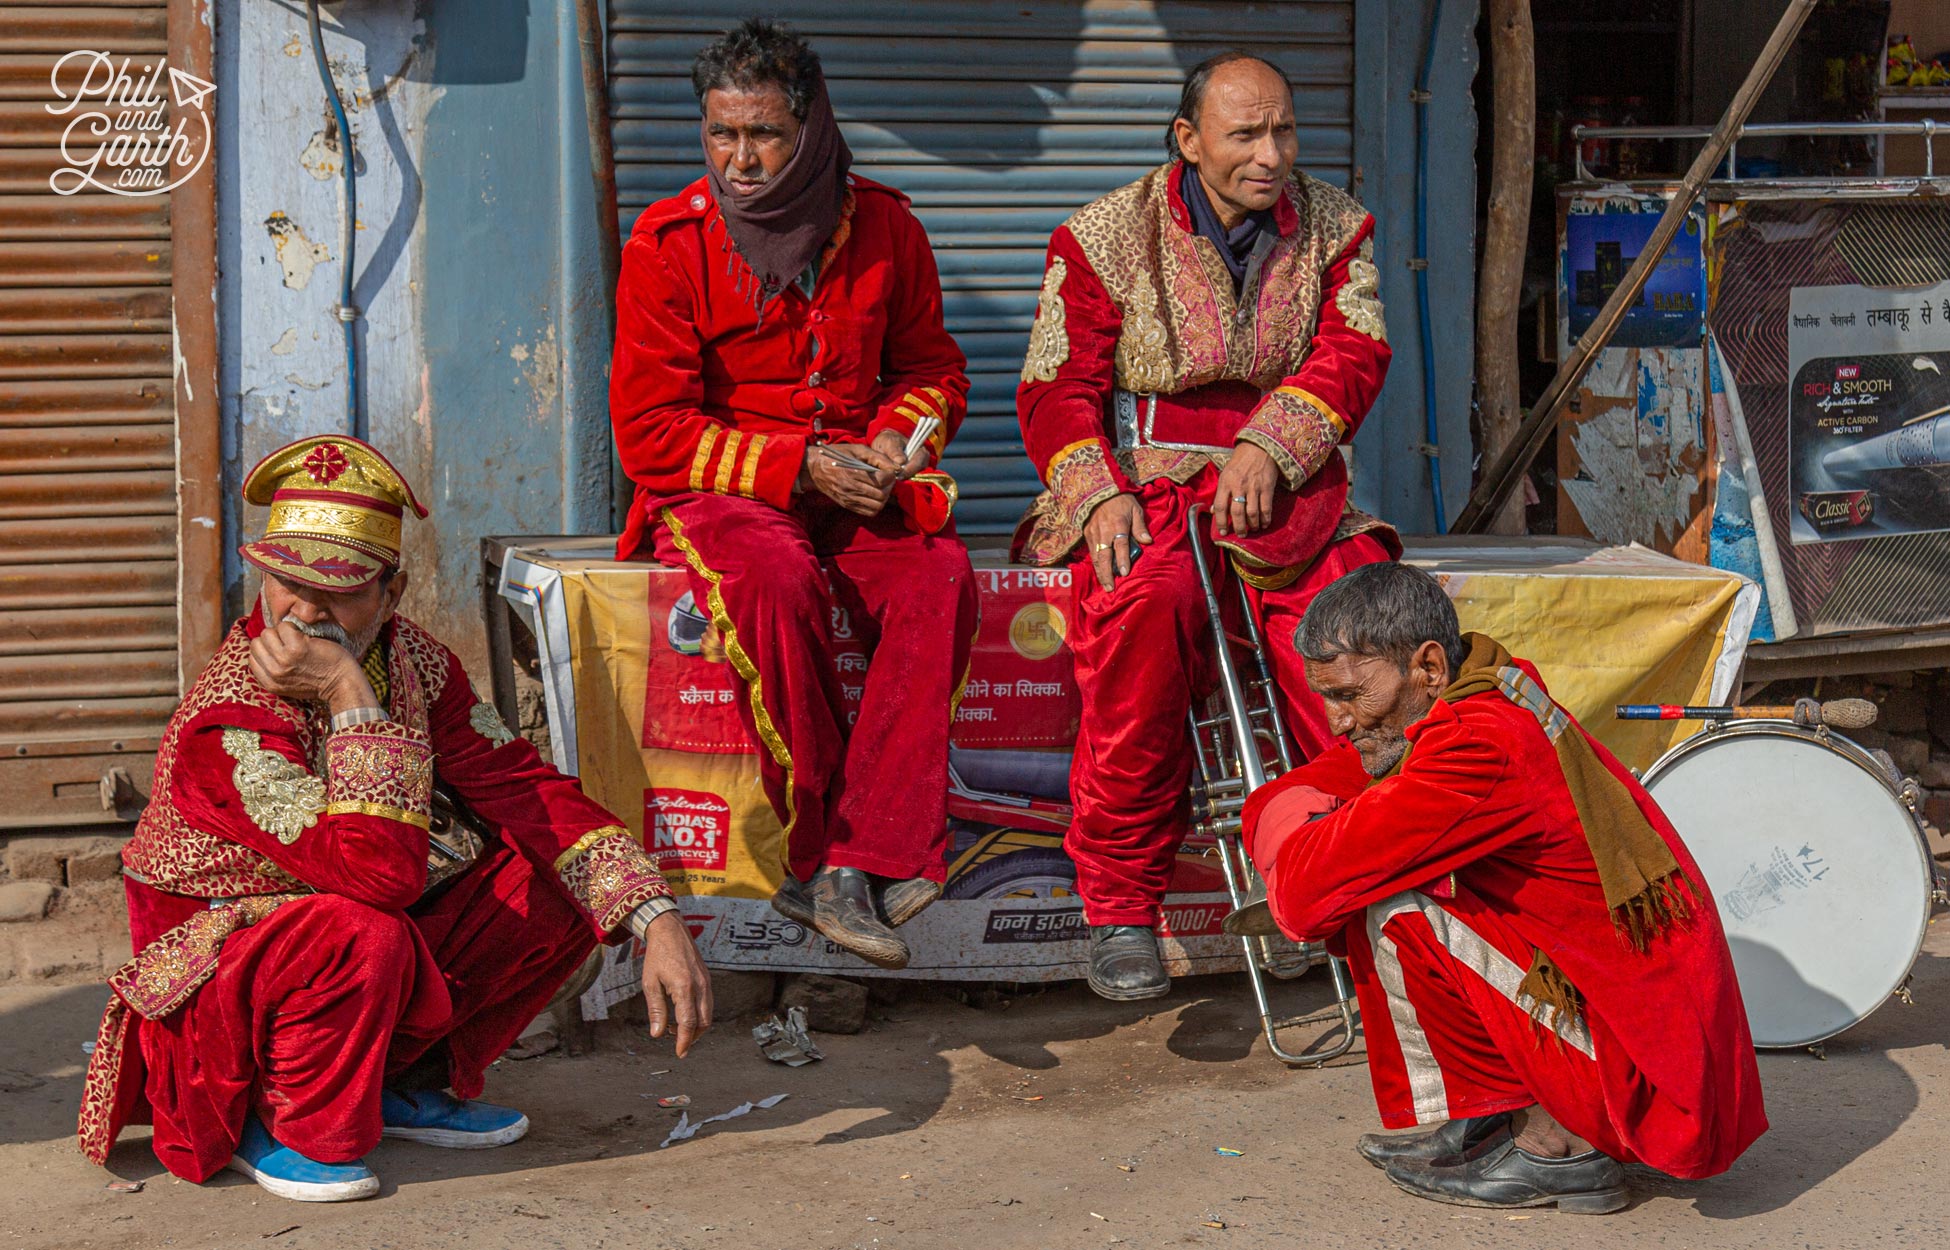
(1927, 128)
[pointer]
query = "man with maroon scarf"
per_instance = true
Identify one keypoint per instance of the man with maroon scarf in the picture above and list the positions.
(1207, 338)
(780, 363)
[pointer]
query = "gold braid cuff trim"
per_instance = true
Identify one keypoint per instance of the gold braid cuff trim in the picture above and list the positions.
(609, 876)
(418, 820)
(703, 456)
(1297, 430)
(741, 662)
(381, 765)
(1079, 480)
(279, 795)
(160, 979)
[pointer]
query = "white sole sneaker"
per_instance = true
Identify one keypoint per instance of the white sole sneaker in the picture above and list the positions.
(455, 1139)
(307, 1191)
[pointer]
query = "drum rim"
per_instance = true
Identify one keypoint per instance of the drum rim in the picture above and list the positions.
(1848, 749)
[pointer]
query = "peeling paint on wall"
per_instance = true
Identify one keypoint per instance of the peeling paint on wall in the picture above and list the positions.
(297, 255)
(287, 342)
(1638, 447)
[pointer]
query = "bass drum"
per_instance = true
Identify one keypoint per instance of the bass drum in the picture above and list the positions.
(1820, 870)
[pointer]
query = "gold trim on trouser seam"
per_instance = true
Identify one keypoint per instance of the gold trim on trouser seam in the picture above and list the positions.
(754, 687)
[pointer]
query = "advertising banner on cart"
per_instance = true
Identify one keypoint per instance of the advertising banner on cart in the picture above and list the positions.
(1869, 411)
(631, 664)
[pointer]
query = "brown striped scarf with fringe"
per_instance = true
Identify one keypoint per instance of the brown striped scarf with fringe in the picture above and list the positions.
(1643, 884)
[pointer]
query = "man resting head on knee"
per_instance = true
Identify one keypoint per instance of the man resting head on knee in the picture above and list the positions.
(1545, 986)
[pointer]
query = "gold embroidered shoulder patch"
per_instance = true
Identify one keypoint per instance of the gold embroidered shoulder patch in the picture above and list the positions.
(279, 796)
(1049, 339)
(1359, 298)
(487, 722)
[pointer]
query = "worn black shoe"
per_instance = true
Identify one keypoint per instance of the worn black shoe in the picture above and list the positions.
(1498, 1174)
(792, 901)
(901, 901)
(1452, 1138)
(1124, 963)
(842, 901)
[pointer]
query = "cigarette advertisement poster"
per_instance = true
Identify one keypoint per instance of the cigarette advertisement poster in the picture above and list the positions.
(1869, 411)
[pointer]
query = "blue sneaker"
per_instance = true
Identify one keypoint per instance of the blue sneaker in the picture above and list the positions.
(288, 1174)
(438, 1118)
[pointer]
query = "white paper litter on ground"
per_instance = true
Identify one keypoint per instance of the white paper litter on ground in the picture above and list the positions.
(686, 1130)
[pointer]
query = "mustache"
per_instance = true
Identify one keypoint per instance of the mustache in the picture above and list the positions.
(327, 630)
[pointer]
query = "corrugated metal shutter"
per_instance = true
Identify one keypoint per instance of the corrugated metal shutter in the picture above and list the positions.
(88, 660)
(999, 120)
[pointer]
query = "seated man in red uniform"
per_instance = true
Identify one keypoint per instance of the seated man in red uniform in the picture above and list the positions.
(1207, 338)
(1542, 972)
(309, 978)
(780, 357)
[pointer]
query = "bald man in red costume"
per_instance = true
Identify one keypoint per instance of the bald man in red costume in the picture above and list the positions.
(779, 342)
(1207, 339)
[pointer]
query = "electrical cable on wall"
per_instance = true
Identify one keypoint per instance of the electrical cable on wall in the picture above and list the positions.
(1431, 446)
(348, 313)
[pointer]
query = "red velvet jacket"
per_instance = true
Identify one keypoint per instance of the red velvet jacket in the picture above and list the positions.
(257, 802)
(705, 395)
(1135, 300)
(1481, 796)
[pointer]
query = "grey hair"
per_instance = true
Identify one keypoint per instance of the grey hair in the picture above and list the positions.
(1192, 98)
(1385, 609)
(755, 53)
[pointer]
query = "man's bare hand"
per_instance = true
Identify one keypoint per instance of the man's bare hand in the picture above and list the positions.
(293, 665)
(891, 445)
(850, 488)
(1243, 502)
(675, 985)
(1114, 533)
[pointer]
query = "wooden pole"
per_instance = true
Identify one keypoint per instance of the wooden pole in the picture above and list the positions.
(1499, 291)
(1505, 474)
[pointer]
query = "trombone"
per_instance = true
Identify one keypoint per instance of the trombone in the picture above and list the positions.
(1239, 741)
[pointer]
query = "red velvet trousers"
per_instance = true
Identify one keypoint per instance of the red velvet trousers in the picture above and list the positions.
(1143, 654)
(872, 795)
(312, 1008)
(1450, 1036)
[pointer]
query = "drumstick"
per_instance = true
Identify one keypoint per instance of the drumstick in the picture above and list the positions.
(923, 431)
(841, 458)
(1837, 713)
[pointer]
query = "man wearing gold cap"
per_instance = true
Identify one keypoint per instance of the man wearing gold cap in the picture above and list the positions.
(304, 983)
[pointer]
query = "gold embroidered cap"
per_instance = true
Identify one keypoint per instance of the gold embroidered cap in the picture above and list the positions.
(336, 507)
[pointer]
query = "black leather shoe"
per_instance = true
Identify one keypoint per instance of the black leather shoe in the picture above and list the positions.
(1498, 1174)
(901, 901)
(792, 902)
(1124, 963)
(842, 900)
(1452, 1138)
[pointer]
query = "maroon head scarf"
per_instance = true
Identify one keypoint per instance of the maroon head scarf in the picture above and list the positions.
(779, 228)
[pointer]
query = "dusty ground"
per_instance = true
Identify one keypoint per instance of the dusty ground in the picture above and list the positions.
(949, 1125)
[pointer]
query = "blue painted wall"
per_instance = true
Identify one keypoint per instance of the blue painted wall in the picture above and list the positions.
(484, 333)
